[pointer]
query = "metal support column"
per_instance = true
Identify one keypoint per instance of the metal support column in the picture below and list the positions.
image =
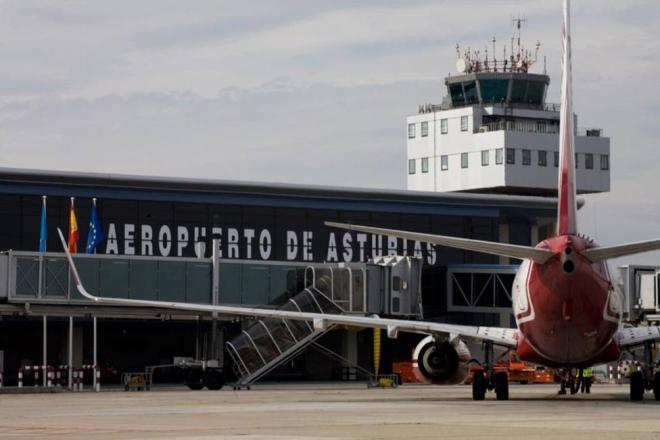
(94, 354)
(70, 352)
(45, 351)
(198, 330)
(215, 296)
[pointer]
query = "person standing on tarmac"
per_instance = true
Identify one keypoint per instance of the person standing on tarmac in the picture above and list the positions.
(587, 375)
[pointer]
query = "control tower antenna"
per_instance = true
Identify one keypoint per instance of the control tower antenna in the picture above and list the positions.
(517, 24)
(494, 58)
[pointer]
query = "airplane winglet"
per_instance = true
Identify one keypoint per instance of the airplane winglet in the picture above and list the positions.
(74, 271)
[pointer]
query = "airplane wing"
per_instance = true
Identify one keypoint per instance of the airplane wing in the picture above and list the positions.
(500, 336)
(538, 255)
(620, 250)
(632, 336)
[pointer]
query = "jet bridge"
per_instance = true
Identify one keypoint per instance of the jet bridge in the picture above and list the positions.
(40, 284)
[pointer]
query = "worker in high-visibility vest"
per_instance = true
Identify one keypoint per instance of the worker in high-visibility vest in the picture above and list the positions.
(587, 376)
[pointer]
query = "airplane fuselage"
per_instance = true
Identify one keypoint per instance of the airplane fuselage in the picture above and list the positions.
(566, 309)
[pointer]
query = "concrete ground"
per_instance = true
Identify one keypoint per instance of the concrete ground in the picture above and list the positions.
(330, 411)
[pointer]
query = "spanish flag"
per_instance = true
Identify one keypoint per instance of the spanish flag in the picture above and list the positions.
(73, 229)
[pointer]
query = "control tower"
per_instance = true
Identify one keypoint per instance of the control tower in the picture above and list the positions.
(494, 132)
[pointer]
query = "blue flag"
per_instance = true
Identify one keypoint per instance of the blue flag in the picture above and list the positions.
(95, 234)
(43, 232)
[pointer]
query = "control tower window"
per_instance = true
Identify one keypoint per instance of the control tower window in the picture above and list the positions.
(425, 128)
(411, 131)
(510, 156)
(457, 97)
(589, 161)
(556, 159)
(470, 90)
(499, 156)
(464, 123)
(535, 92)
(518, 90)
(493, 90)
(604, 162)
(411, 166)
(464, 160)
(527, 157)
(425, 165)
(485, 156)
(444, 162)
(543, 158)
(444, 126)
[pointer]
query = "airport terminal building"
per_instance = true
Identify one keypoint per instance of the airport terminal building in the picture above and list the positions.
(266, 235)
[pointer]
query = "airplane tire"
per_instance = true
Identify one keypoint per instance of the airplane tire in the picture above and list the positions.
(502, 385)
(214, 380)
(478, 386)
(656, 386)
(636, 386)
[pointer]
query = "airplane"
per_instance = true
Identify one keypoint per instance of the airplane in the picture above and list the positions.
(567, 312)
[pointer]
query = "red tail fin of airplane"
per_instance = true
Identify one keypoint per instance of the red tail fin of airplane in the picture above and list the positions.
(567, 212)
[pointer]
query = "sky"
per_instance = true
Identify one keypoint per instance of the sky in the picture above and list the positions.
(303, 91)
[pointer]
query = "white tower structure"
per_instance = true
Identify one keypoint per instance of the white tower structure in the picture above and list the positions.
(494, 132)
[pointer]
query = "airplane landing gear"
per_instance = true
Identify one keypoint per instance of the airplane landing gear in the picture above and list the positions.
(483, 381)
(637, 385)
(568, 382)
(656, 386)
(479, 386)
(501, 382)
(645, 378)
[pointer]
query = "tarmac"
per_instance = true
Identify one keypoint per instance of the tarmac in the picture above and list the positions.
(330, 411)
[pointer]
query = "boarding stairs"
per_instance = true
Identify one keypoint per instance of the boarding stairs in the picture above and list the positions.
(268, 343)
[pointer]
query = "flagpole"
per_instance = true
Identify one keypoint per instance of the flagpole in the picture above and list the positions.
(43, 232)
(94, 208)
(73, 228)
(71, 208)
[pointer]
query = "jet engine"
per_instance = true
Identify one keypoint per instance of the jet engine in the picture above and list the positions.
(440, 361)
